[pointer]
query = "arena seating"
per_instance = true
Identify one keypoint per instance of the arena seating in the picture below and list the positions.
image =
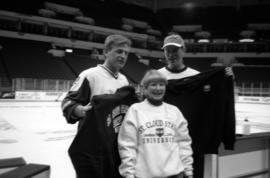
(200, 64)
(134, 69)
(156, 63)
(252, 80)
(78, 63)
(145, 43)
(28, 59)
(252, 74)
(141, 39)
(3, 70)
(254, 61)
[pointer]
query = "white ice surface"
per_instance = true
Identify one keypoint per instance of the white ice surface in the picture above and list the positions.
(38, 132)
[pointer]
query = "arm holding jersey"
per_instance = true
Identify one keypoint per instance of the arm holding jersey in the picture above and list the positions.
(77, 100)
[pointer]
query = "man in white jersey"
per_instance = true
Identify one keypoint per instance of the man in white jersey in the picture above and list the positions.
(174, 51)
(102, 79)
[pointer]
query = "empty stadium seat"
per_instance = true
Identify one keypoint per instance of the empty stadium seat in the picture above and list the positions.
(134, 69)
(28, 171)
(9, 164)
(78, 63)
(28, 59)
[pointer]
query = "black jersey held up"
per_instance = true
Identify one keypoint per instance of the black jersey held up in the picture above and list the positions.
(207, 102)
(94, 151)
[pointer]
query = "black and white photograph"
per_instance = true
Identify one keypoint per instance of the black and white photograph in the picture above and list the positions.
(135, 89)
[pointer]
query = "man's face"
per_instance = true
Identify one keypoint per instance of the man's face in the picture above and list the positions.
(174, 56)
(117, 56)
(155, 90)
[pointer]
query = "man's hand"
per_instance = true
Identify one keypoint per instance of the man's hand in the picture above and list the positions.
(80, 111)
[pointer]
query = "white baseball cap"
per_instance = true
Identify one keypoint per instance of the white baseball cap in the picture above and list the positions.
(173, 40)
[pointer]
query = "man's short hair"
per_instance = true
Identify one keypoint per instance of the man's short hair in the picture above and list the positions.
(115, 40)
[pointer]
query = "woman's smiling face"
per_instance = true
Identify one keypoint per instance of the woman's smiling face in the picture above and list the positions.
(155, 90)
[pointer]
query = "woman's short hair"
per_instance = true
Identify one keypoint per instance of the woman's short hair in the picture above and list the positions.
(153, 76)
(115, 40)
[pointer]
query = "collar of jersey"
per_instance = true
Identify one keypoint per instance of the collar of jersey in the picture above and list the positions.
(176, 70)
(109, 71)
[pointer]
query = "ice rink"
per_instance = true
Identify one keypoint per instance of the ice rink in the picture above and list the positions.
(38, 132)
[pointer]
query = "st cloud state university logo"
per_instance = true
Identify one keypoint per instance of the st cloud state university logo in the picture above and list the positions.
(116, 117)
(160, 132)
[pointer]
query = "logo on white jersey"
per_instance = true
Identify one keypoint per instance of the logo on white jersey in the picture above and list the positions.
(116, 117)
(160, 132)
(76, 84)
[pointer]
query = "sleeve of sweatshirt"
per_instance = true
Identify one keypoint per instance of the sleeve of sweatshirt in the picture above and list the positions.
(184, 141)
(78, 94)
(127, 144)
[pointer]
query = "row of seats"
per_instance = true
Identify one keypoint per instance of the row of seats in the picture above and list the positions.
(30, 59)
(253, 61)
(25, 59)
(222, 22)
(252, 74)
(256, 47)
(152, 44)
(78, 63)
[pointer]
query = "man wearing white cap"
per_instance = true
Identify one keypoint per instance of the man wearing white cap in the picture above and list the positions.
(174, 50)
